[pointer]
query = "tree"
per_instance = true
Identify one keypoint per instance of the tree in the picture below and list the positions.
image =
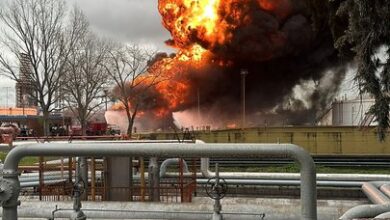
(368, 30)
(86, 78)
(35, 31)
(127, 67)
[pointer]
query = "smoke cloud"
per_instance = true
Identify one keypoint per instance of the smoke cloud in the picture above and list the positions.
(274, 40)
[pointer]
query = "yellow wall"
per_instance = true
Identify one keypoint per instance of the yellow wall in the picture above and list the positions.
(317, 140)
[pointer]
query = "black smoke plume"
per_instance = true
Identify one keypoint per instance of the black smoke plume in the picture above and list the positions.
(280, 46)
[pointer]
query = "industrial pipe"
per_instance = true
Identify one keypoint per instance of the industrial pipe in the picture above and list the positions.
(382, 203)
(385, 188)
(172, 161)
(385, 215)
(267, 180)
(374, 194)
(44, 212)
(205, 170)
(307, 166)
(83, 175)
(327, 177)
(365, 211)
(154, 179)
(284, 182)
(37, 183)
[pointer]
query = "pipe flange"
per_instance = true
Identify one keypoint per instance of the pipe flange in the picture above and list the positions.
(6, 191)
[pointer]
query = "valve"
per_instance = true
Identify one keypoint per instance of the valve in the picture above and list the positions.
(78, 188)
(216, 189)
(6, 191)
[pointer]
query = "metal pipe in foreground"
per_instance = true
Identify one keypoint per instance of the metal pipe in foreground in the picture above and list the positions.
(131, 214)
(385, 188)
(154, 179)
(369, 211)
(205, 171)
(365, 211)
(172, 161)
(374, 194)
(307, 167)
(385, 215)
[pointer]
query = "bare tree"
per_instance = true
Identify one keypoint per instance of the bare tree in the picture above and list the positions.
(86, 78)
(35, 30)
(127, 67)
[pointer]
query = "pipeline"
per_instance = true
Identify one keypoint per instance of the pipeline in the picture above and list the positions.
(109, 210)
(172, 161)
(306, 163)
(385, 188)
(284, 182)
(263, 182)
(385, 215)
(375, 195)
(37, 183)
(154, 179)
(127, 214)
(205, 170)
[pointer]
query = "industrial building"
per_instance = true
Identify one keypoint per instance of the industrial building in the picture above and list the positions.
(345, 112)
(25, 90)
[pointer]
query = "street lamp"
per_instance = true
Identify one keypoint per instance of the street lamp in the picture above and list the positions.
(7, 94)
(105, 95)
(198, 96)
(244, 73)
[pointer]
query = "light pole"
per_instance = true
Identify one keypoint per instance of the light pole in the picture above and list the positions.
(244, 72)
(7, 93)
(198, 94)
(105, 95)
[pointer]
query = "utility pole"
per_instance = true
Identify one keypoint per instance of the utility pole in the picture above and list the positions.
(244, 73)
(105, 96)
(198, 93)
(7, 88)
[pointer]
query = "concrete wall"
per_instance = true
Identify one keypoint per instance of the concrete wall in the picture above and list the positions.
(317, 140)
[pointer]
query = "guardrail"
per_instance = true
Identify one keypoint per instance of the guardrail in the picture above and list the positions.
(10, 185)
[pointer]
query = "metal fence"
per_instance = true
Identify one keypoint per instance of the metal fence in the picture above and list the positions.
(53, 179)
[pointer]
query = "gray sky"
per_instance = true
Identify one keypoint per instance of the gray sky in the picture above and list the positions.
(136, 21)
(126, 20)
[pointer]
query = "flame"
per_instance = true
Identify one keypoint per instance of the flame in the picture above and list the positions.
(199, 28)
(281, 8)
(186, 19)
(118, 106)
(195, 53)
(203, 14)
(231, 125)
(267, 5)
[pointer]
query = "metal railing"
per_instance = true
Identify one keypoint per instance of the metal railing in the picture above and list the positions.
(11, 186)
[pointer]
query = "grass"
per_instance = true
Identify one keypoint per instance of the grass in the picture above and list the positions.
(26, 161)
